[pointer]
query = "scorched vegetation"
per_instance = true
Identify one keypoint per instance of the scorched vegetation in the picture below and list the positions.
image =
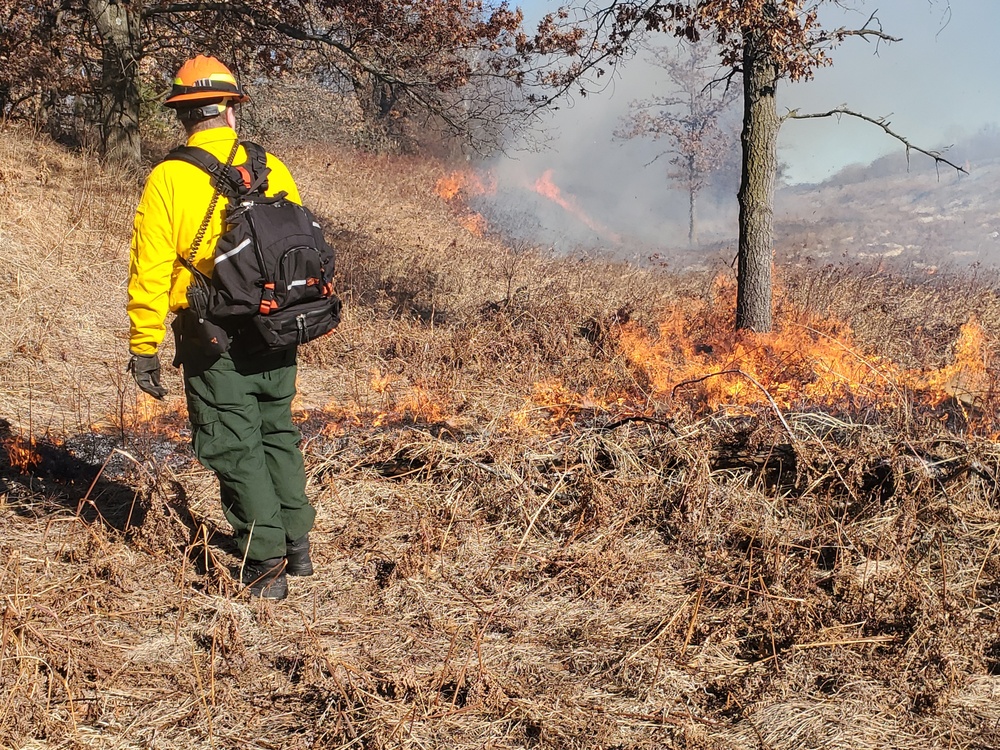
(560, 504)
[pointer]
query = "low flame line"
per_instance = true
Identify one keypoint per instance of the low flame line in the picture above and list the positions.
(862, 360)
(752, 379)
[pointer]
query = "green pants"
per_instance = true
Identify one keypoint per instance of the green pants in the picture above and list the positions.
(242, 429)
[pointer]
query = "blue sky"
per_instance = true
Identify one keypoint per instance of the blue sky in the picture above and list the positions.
(940, 83)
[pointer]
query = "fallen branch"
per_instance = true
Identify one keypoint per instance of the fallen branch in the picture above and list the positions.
(638, 418)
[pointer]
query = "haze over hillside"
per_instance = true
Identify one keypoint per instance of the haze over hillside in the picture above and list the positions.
(902, 209)
(908, 212)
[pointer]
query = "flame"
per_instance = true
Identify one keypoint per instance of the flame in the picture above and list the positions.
(465, 182)
(417, 404)
(22, 453)
(167, 419)
(337, 417)
(966, 379)
(381, 383)
(423, 405)
(545, 187)
(808, 360)
(694, 356)
(299, 413)
(397, 403)
(555, 406)
(450, 185)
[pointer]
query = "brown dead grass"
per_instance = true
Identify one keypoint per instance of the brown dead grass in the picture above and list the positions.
(498, 570)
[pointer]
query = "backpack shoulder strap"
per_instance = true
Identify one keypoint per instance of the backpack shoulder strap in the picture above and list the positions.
(199, 157)
(256, 164)
(227, 181)
(194, 156)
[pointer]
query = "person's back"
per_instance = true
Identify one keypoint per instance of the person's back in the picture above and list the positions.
(239, 403)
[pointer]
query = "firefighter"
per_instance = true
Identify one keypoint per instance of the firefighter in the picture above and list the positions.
(239, 404)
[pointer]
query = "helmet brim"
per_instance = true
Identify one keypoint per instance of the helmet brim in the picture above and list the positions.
(179, 100)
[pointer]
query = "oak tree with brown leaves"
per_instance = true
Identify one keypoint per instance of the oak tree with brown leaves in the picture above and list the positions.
(763, 41)
(451, 64)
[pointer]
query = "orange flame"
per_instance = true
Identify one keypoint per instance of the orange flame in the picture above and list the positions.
(398, 403)
(420, 405)
(465, 182)
(544, 186)
(163, 418)
(555, 406)
(22, 453)
(806, 361)
(966, 379)
(462, 184)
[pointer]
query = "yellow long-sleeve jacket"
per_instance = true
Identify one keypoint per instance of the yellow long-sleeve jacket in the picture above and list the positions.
(173, 205)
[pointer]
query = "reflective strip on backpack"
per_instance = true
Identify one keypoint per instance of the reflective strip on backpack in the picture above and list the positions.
(226, 256)
(298, 282)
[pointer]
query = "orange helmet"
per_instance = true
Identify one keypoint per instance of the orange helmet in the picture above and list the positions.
(203, 79)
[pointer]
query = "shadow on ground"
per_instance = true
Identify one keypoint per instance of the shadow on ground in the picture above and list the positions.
(41, 476)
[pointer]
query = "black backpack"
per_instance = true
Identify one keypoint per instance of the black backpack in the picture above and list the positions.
(273, 266)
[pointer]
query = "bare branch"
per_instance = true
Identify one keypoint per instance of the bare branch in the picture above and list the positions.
(882, 123)
(876, 33)
(866, 32)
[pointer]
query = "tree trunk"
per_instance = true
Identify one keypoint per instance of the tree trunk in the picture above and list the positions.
(119, 29)
(692, 201)
(376, 98)
(756, 197)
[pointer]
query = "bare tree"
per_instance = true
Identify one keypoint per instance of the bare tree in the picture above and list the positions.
(689, 120)
(764, 41)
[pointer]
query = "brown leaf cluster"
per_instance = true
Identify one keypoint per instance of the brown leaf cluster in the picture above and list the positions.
(453, 62)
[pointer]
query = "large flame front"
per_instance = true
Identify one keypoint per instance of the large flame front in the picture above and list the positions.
(695, 360)
(807, 360)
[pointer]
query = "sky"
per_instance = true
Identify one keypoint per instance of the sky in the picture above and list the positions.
(941, 82)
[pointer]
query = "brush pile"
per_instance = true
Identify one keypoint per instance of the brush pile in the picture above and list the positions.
(558, 506)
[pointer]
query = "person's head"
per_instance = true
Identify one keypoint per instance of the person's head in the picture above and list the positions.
(203, 95)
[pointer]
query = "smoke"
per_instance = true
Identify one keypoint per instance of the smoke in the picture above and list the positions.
(586, 190)
(935, 84)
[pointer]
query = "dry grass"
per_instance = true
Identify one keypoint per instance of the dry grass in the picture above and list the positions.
(520, 542)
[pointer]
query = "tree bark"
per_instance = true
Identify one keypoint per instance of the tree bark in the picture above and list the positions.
(692, 201)
(756, 196)
(119, 29)
(376, 98)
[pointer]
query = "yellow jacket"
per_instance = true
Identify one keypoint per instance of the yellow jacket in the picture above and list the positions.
(172, 207)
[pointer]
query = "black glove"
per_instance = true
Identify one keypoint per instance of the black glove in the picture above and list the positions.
(145, 368)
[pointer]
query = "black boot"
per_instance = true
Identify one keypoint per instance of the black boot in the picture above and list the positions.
(266, 578)
(299, 562)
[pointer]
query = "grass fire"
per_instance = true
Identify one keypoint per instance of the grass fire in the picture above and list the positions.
(560, 503)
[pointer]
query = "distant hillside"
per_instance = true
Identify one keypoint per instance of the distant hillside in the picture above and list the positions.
(910, 214)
